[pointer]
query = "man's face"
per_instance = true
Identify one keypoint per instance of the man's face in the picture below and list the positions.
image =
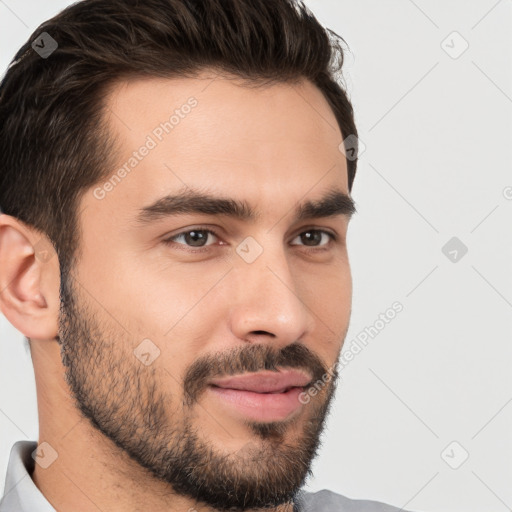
(157, 307)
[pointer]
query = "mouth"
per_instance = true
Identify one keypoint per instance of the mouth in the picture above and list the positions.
(265, 382)
(284, 390)
(262, 396)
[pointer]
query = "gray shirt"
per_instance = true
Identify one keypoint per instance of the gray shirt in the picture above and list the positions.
(22, 495)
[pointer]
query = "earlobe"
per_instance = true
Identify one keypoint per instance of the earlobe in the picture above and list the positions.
(29, 283)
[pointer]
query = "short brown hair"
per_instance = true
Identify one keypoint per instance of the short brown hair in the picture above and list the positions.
(53, 141)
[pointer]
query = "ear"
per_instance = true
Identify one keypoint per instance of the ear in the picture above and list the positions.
(29, 279)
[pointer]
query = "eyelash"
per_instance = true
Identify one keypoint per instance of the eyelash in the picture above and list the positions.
(170, 241)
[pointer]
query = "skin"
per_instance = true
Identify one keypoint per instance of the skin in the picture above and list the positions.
(114, 422)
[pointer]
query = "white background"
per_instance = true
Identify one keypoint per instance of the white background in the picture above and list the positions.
(437, 163)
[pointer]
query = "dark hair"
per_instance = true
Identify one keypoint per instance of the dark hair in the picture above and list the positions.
(54, 141)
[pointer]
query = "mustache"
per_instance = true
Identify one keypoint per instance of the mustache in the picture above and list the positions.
(249, 359)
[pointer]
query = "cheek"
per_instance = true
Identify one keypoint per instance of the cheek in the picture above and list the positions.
(329, 287)
(329, 297)
(178, 309)
(168, 300)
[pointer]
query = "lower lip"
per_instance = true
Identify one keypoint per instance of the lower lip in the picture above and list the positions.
(260, 406)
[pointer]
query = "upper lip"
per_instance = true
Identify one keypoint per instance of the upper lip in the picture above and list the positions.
(264, 382)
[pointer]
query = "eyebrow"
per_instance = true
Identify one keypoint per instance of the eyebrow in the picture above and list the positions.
(334, 203)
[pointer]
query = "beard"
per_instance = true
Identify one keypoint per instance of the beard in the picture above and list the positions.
(130, 404)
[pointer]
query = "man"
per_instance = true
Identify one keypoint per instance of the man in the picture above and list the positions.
(173, 246)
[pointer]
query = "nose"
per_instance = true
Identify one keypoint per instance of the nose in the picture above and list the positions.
(268, 300)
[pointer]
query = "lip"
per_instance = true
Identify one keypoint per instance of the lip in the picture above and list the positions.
(264, 382)
(258, 406)
(263, 396)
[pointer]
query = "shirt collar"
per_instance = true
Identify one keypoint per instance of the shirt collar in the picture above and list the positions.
(20, 492)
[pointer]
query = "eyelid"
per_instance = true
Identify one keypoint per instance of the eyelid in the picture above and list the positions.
(334, 237)
(169, 240)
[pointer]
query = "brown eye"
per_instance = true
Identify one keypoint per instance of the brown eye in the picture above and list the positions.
(313, 237)
(191, 238)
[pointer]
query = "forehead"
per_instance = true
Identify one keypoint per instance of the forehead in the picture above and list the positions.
(255, 143)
